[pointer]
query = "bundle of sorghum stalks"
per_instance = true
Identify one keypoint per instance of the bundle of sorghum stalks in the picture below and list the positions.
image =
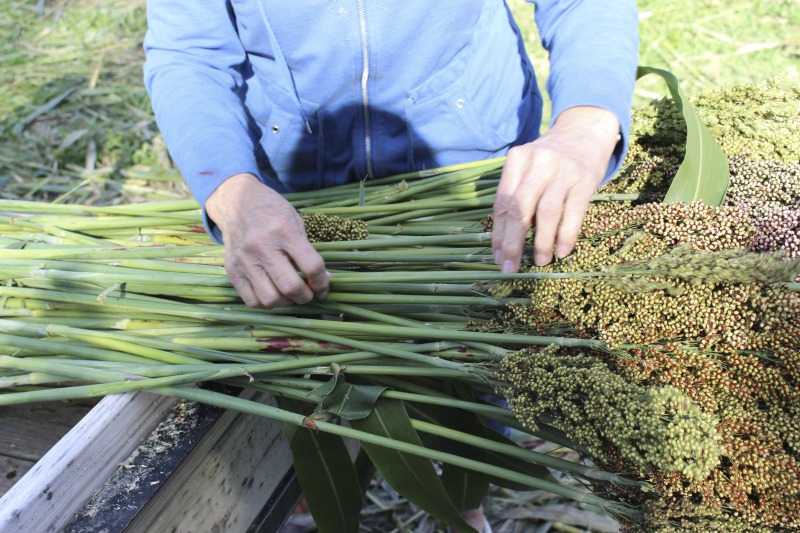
(704, 337)
(665, 349)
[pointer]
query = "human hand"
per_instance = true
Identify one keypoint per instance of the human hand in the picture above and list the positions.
(264, 240)
(550, 181)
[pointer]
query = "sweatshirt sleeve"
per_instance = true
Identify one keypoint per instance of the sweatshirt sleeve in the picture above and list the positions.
(593, 46)
(194, 74)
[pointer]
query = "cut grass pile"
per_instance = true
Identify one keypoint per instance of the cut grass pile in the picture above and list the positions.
(74, 112)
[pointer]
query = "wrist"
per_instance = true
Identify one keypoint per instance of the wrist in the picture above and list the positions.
(591, 123)
(228, 196)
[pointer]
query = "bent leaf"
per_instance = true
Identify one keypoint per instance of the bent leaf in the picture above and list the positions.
(345, 400)
(465, 488)
(704, 173)
(365, 470)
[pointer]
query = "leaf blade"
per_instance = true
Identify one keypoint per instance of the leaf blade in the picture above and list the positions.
(704, 173)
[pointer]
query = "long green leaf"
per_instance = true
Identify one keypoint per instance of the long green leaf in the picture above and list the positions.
(704, 173)
(410, 475)
(327, 476)
(466, 488)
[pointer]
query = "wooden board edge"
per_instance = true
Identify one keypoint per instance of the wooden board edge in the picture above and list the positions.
(56, 487)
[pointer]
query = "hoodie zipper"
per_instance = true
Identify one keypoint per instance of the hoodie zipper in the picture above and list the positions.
(362, 22)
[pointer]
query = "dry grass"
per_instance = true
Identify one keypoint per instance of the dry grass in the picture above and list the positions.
(75, 113)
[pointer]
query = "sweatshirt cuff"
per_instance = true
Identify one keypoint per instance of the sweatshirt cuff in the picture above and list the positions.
(604, 88)
(208, 159)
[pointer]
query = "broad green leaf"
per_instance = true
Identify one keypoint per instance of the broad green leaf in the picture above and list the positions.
(704, 173)
(345, 400)
(326, 474)
(412, 476)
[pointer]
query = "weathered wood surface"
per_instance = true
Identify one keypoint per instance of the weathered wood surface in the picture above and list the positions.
(12, 469)
(52, 491)
(134, 483)
(143, 463)
(30, 430)
(225, 484)
(201, 469)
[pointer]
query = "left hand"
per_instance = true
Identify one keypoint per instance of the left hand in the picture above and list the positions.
(550, 181)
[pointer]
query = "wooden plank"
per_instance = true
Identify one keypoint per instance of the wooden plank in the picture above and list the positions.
(279, 506)
(202, 469)
(133, 484)
(30, 430)
(224, 484)
(12, 469)
(52, 491)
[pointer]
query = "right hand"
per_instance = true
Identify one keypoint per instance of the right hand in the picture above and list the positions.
(264, 240)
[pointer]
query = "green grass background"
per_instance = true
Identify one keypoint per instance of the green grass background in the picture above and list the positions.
(74, 115)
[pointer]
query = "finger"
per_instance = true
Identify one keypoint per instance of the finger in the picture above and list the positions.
(571, 222)
(255, 288)
(269, 296)
(311, 264)
(266, 293)
(514, 170)
(518, 218)
(510, 178)
(499, 216)
(237, 274)
(549, 212)
(286, 280)
(245, 290)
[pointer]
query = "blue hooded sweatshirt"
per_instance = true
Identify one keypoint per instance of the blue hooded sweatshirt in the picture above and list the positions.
(312, 93)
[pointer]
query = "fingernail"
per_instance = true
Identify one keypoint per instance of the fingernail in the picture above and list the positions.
(508, 267)
(328, 274)
(498, 257)
(541, 259)
(562, 251)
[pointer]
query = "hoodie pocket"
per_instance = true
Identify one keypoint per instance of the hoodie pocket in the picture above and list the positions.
(481, 102)
(293, 153)
(450, 128)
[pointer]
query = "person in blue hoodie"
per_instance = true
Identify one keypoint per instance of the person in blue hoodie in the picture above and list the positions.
(256, 98)
(260, 97)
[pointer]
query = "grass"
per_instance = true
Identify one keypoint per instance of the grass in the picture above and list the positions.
(705, 43)
(74, 112)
